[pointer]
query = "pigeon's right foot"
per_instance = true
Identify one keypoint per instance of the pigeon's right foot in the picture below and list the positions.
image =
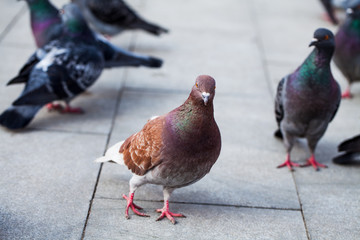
(289, 164)
(133, 206)
(166, 212)
(346, 94)
(69, 109)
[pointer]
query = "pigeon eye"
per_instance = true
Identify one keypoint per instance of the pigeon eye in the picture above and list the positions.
(214, 87)
(197, 85)
(326, 37)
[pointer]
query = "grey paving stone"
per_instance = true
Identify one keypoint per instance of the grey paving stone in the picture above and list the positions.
(203, 222)
(46, 183)
(9, 9)
(236, 178)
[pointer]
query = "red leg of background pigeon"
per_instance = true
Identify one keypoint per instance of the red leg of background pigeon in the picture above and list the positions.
(54, 107)
(288, 163)
(69, 109)
(133, 206)
(312, 162)
(166, 212)
(347, 93)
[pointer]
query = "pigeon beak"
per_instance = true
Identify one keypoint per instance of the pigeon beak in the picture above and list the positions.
(313, 42)
(205, 96)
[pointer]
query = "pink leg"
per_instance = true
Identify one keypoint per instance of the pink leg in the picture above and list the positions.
(347, 93)
(54, 107)
(166, 212)
(69, 109)
(288, 163)
(133, 206)
(312, 162)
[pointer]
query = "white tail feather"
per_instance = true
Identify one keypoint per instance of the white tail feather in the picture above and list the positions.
(112, 155)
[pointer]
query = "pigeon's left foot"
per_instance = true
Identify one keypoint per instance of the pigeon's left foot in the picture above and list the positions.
(346, 94)
(289, 163)
(69, 109)
(133, 206)
(312, 162)
(54, 107)
(166, 212)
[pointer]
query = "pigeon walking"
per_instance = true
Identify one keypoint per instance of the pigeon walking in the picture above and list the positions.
(173, 150)
(351, 149)
(46, 25)
(347, 52)
(307, 99)
(110, 17)
(60, 70)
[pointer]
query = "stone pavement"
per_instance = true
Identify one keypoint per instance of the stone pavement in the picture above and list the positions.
(50, 188)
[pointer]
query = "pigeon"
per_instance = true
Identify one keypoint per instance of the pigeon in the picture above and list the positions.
(347, 52)
(308, 99)
(173, 150)
(46, 25)
(351, 147)
(111, 17)
(60, 70)
(329, 11)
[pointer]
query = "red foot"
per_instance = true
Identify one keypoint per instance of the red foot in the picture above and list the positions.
(312, 162)
(133, 206)
(289, 164)
(346, 94)
(166, 212)
(69, 109)
(54, 107)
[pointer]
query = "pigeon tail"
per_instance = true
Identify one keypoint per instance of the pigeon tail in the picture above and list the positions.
(151, 28)
(350, 145)
(152, 62)
(17, 117)
(113, 155)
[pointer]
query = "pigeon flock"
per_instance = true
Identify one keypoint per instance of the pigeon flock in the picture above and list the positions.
(180, 147)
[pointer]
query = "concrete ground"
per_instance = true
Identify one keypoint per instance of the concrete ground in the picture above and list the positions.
(50, 187)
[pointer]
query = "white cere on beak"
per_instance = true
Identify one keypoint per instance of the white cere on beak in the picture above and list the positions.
(205, 96)
(314, 40)
(349, 11)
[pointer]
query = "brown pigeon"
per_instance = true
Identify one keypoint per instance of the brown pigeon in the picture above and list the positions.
(173, 150)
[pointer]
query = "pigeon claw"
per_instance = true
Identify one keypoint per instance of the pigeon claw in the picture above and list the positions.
(166, 212)
(289, 164)
(346, 94)
(69, 109)
(54, 107)
(133, 206)
(312, 162)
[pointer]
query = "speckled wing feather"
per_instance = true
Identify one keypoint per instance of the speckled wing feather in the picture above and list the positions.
(279, 109)
(142, 151)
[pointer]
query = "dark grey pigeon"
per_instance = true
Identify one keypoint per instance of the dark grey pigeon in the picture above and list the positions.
(173, 150)
(111, 17)
(347, 52)
(351, 149)
(46, 25)
(60, 70)
(307, 99)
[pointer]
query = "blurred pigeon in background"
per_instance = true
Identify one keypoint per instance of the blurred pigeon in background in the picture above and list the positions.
(307, 100)
(347, 52)
(351, 149)
(330, 14)
(173, 150)
(60, 70)
(46, 25)
(110, 17)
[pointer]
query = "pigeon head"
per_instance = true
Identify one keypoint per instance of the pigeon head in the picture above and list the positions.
(353, 10)
(74, 22)
(203, 91)
(323, 38)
